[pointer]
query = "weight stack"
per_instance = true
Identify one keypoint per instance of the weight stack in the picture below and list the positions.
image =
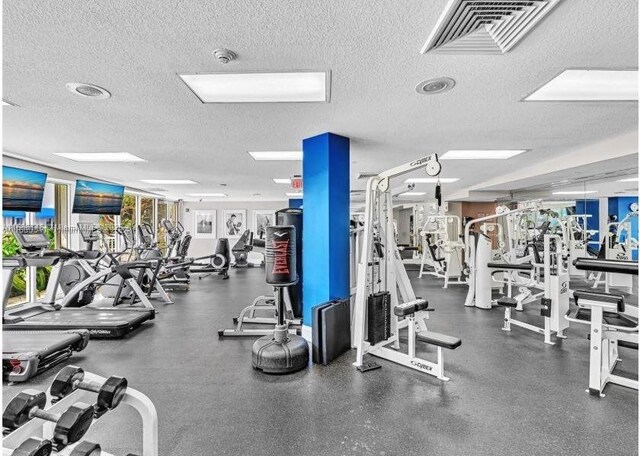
(378, 317)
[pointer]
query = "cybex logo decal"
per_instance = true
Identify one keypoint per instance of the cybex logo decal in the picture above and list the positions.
(621, 256)
(420, 161)
(564, 287)
(421, 366)
(280, 234)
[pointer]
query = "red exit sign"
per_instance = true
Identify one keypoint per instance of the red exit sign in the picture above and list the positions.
(296, 182)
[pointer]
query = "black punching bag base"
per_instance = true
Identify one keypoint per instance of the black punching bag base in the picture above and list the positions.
(280, 357)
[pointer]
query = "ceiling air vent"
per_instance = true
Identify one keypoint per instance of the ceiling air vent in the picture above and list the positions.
(485, 27)
(366, 175)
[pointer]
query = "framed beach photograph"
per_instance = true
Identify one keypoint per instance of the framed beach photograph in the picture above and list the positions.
(261, 220)
(233, 223)
(204, 224)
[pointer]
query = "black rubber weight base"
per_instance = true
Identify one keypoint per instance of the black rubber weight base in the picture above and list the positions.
(273, 357)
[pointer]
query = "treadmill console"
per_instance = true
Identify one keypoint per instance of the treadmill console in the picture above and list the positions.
(168, 225)
(89, 232)
(31, 240)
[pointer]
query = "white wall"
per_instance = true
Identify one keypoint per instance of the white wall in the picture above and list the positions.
(201, 247)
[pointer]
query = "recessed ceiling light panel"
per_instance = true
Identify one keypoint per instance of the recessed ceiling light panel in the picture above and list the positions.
(88, 90)
(208, 194)
(282, 181)
(435, 86)
(305, 86)
(589, 85)
(100, 157)
(630, 179)
(480, 154)
(294, 195)
(413, 194)
(431, 180)
(575, 192)
(169, 181)
(295, 155)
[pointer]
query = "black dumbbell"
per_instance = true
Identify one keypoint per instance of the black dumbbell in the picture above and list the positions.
(71, 425)
(86, 449)
(34, 447)
(110, 393)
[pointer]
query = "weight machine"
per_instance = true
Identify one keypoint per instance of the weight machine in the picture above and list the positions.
(383, 286)
(618, 244)
(442, 250)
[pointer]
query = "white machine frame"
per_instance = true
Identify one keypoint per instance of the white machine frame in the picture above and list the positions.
(450, 249)
(393, 276)
(480, 279)
(556, 290)
(603, 345)
(617, 252)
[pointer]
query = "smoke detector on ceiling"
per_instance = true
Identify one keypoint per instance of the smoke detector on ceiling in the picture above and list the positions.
(224, 56)
(435, 86)
(485, 26)
(88, 90)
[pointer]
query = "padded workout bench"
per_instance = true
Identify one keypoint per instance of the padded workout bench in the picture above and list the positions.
(612, 325)
(415, 332)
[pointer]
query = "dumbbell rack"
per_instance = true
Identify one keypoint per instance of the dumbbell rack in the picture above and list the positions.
(42, 429)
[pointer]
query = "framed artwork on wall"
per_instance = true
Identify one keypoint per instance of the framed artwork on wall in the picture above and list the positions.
(204, 223)
(233, 223)
(261, 220)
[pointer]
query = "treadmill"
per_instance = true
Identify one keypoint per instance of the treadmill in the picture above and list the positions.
(28, 353)
(48, 315)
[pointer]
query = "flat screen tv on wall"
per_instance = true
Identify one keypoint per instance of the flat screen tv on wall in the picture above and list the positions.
(97, 198)
(22, 189)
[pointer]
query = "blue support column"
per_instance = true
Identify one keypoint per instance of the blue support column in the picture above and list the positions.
(325, 233)
(295, 202)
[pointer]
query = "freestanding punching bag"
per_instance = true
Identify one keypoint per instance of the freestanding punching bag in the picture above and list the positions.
(293, 216)
(280, 353)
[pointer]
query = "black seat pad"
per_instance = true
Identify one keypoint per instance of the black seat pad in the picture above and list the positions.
(604, 265)
(510, 266)
(507, 302)
(409, 308)
(610, 318)
(441, 340)
(590, 295)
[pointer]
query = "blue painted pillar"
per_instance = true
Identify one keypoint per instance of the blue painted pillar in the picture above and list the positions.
(621, 206)
(295, 203)
(325, 233)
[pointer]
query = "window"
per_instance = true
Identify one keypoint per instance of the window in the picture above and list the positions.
(147, 211)
(162, 234)
(128, 211)
(61, 215)
(11, 247)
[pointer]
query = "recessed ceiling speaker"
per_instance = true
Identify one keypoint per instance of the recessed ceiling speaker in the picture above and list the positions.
(224, 56)
(88, 90)
(435, 86)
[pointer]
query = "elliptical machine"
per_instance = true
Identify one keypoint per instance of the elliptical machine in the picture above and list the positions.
(280, 352)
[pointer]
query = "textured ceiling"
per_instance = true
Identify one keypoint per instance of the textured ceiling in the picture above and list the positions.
(135, 48)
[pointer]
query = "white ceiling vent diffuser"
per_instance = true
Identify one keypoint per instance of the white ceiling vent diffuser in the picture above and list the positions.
(485, 27)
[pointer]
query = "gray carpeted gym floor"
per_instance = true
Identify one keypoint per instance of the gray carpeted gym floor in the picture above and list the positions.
(509, 394)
